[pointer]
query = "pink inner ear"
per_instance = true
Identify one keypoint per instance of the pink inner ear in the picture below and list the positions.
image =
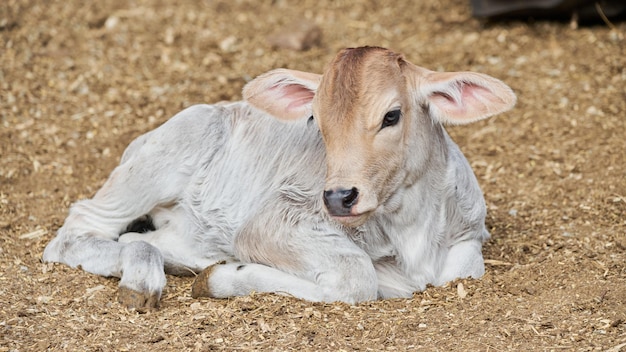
(296, 95)
(466, 101)
(473, 91)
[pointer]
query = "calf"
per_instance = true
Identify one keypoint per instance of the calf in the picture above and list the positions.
(360, 195)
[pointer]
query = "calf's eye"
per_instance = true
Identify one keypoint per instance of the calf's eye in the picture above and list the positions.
(391, 118)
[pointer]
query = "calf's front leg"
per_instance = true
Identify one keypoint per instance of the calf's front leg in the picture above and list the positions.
(330, 268)
(464, 259)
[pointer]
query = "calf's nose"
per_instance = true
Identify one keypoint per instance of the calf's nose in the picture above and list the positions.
(339, 202)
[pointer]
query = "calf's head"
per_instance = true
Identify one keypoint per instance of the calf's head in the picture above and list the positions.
(380, 117)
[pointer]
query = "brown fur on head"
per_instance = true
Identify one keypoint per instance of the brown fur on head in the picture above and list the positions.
(348, 78)
(358, 88)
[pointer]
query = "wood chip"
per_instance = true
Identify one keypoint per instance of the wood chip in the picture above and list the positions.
(32, 235)
(460, 290)
(496, 262)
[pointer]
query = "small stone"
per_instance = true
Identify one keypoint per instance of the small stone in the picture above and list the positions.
(471, 38)
(170, 36)
(299, 35)
(228, 43)
(592, 110)
(111, 22)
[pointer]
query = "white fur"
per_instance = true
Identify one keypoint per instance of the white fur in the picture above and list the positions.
(231, 183)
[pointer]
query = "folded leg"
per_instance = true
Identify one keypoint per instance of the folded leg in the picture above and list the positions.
(464, 259)
(320, 268)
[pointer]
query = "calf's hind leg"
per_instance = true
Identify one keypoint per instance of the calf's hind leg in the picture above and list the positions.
(155, 169)
(88, 240)
(89, 237)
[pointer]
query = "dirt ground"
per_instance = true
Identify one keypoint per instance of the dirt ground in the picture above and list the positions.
(79, 80)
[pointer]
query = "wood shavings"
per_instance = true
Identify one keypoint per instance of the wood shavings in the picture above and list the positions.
(108, 71)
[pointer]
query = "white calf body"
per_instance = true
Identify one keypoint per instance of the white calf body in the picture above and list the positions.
(233, 189)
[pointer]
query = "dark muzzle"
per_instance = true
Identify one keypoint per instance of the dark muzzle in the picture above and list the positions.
(339, 202)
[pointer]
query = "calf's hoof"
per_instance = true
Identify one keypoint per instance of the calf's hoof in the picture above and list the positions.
(200, 287)
(141, 301)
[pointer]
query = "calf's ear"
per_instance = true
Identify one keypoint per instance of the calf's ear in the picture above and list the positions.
(464, 97)
(285, 94)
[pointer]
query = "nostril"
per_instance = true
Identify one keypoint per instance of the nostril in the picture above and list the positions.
(328, 196)
(339, 202)
(350, 197)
